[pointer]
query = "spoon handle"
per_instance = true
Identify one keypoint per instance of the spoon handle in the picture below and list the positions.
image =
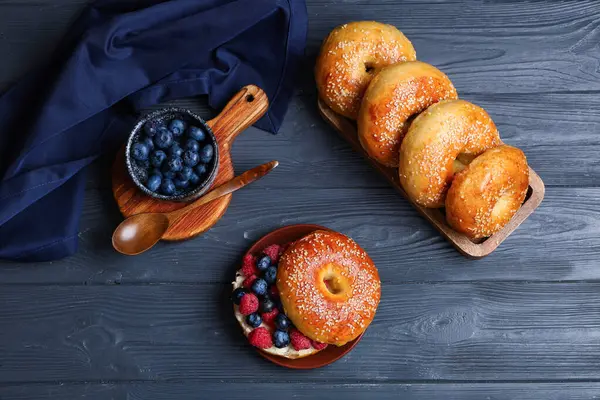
(228, 187)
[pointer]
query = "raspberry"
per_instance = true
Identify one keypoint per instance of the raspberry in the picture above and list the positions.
(274, 291)
(249, 265)
(261, 338)
(248, 304)
(249, 281)
(269, 318)
(273, 251)
(317, 345)
(299, 341)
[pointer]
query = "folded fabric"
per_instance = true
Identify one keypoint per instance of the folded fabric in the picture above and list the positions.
(119, 57)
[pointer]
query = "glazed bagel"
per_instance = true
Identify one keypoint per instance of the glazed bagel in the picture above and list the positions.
(488, 192)
(395, 94)
(329, 287)
(439, 142)
(349, 58)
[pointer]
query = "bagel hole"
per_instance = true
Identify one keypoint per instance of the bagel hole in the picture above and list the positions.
(369, 68)
(333, 284)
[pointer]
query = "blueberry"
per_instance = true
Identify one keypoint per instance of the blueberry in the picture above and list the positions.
(196, 133)
(263, 263)
(151, 127)
(140, 151)
(177, 126)
(254, 320)
(167, 173)
(167, 187)
(192, 145)
(279, 305)
(201, 169)
(190, 158)
(181, 183)
(206, 154)
(282, 322)
(270, 275)
(237, 295)
(148, 141)
(281, 339)
(175, 150)
(266, 304)
(185, 173)
(259, 287)
(163, 138)
(157, 158)
(156, 171)
(153, 182)
(175, 164)
(194, 179)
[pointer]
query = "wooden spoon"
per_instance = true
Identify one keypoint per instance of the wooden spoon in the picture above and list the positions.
(140, 232)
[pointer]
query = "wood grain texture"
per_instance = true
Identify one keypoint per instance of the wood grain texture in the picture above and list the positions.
(405, 248)
(245, 108)
(481, 332)
(284, 390)
(467, 247)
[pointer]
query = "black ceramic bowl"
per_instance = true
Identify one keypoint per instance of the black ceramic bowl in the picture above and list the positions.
(139, 174)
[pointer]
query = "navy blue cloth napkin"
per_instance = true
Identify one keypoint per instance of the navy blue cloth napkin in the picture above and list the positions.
(118, 57)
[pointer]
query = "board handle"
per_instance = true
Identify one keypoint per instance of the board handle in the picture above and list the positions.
(244, 109)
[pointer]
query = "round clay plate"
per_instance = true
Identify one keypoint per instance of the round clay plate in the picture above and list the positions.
(331, 353)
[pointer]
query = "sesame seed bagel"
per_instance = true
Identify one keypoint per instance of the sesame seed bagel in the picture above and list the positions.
(439, 143)
(395, 94)
(349, 58)
(488, 192)
(329, 287)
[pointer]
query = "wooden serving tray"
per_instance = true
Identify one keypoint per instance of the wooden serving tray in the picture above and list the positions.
(347, 129)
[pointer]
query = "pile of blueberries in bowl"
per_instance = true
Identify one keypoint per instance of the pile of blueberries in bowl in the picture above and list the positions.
(172, 155)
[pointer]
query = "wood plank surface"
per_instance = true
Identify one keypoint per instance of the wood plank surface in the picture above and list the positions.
(560, 241)
(284, 390)
(480, 332)
(520, 324)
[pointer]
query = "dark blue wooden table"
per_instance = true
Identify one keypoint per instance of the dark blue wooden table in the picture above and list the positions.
(522, 323)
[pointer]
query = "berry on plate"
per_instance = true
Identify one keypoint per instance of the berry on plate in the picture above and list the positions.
(163, 138)
(148, 142)
(249, 281)
(185, 173)
(177, 126)
(254, 320)
(140, 151)
(157, 158)
(298, 340)
(273, 251)
(191, 158)
(266, 305)
(153, 182)
(196, 133)
(181, 183)
(282, 322)
(273, 291)
(281, 339)
(194, 179)
(261, 338)
(248, 265)
(269, 318)
(248, 304)
(167, 187)
(263, 263)
(259, 287)
(237, 295)
(318, 345)
(206, 154)
(270, 275)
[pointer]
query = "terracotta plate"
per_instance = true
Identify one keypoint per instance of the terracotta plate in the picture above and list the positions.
(330, 354)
